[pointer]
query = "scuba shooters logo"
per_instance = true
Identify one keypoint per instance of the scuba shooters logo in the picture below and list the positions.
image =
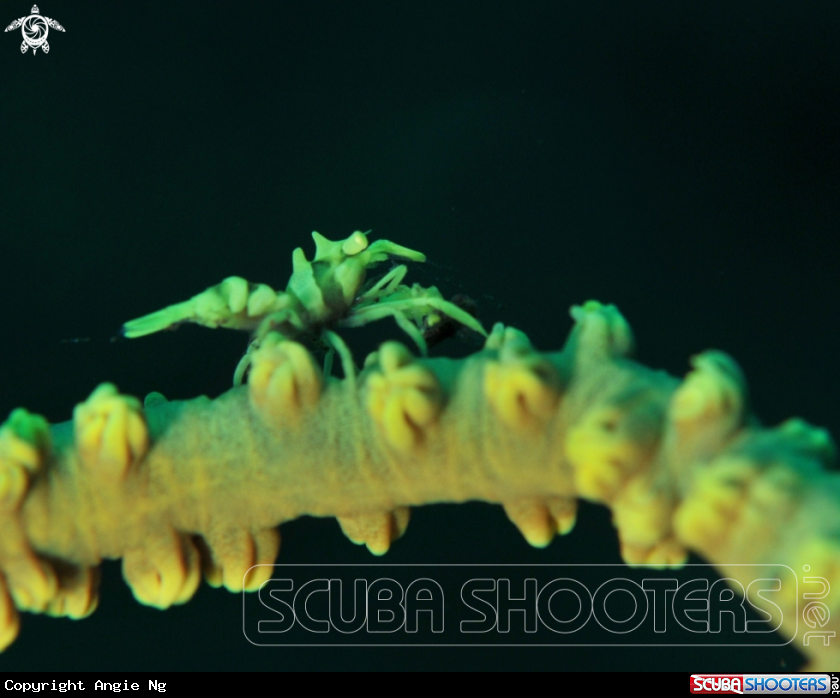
(35, 28)
(506, 605)
(762, 684)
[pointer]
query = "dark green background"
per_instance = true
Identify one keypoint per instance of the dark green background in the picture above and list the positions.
(677, 159)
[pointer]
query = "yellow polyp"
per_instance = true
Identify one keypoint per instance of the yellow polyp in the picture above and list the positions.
(720, 505)
(564, 512)
(414, 376)
(603, 331)
(645, 519)
(375, 530)
(272, 388)
(394, 356)
(689, 400)
(114, 437)
(401, 413)
(633, 555)
(404, 399)
(397, 426)
(13, 484)
(111, 432)
(669, 554)
(419, 407)
(25, 440)
(239, 559)
(642, 513)
(518, 396)
(9, 618)
(77, 596)
(15, 450)
(565, 524)
(714, 390)
(134, 430)
(378, 547)
(266, 547)
(399, 522)
(32, 582)
(191, 570)
(724, 486)
(284, 380)
(534, 521)
(665, 554)
(519, 385)
(601, 455)
(233, 574)
(776, 491)
(699, 526)
(166, 572)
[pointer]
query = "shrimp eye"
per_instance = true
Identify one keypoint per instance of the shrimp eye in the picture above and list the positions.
(354, 244)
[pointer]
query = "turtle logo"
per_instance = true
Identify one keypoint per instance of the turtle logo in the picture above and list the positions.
(35, 28)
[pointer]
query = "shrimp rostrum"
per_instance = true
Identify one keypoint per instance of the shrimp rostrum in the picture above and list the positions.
(323, 294)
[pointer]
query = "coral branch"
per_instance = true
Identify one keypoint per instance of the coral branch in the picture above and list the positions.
(179, 486)
(177, 489)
